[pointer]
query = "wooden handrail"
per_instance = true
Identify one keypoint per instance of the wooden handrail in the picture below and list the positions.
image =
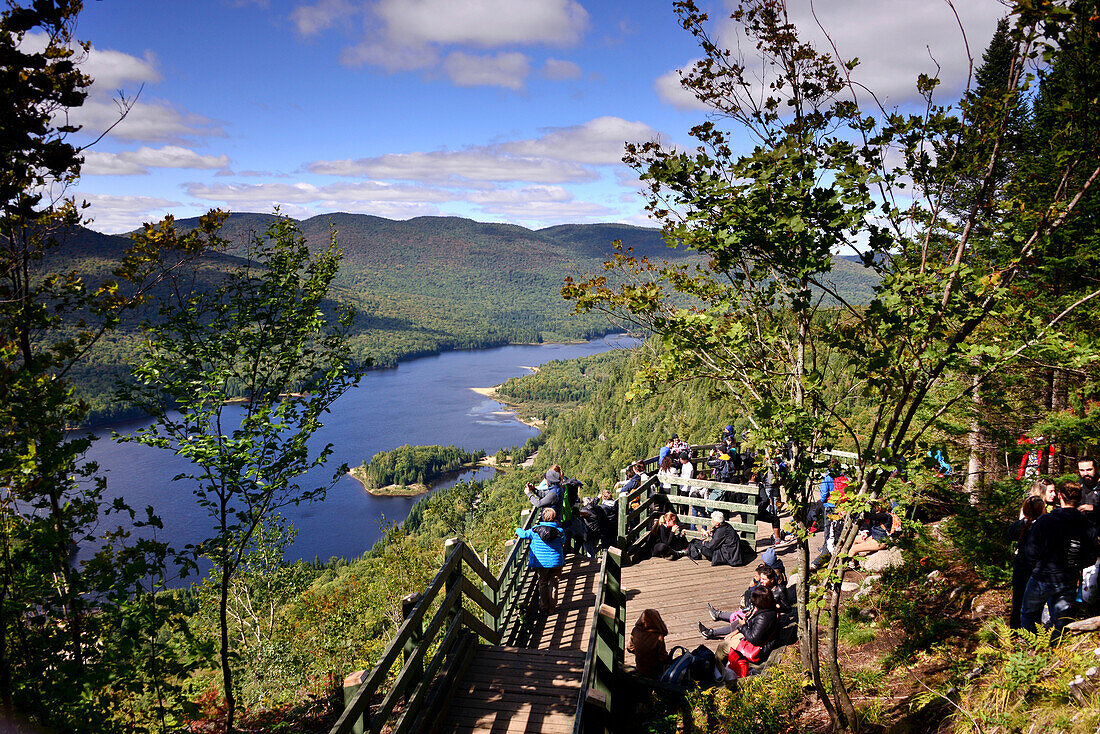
(440, 636)
(606, 628)
(634, 523)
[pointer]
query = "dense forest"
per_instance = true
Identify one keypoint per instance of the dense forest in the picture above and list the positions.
(416, 287)
(407, 465)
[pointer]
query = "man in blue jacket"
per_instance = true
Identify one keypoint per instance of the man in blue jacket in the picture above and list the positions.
(1062, 543)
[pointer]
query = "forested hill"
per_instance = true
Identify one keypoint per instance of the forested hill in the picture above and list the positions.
(423, 285)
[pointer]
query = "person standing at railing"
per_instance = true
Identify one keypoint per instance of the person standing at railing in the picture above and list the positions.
(551, 496)
(687, 471)
(546, 555)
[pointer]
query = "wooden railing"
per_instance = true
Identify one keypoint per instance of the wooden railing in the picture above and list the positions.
(606, 646)
(435, 650)
(638, 509)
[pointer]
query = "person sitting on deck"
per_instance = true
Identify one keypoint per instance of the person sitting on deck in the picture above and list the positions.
(764, 577)
(546, 555)
(754, 641)
(667, 537)
(647, 642)
(723, 544)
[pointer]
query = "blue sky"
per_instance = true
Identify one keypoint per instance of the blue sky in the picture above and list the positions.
(498, 110)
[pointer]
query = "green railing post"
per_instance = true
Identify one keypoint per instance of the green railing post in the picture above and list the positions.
(453, 545)
(620, 534)
(408, 604)
(351, 687)
(491, 616)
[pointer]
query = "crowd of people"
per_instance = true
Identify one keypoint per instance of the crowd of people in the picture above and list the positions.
(1055, 539)
(1055, 565)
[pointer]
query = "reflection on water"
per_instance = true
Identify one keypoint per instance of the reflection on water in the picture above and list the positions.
(423, 402)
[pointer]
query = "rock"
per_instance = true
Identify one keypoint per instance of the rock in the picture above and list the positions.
(933, 575)
(881, 560)
(848, 586)
(867, 615)
(869, 580)
(979, 609)
(1085, 625)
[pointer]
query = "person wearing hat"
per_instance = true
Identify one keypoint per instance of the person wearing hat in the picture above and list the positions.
(551, 496)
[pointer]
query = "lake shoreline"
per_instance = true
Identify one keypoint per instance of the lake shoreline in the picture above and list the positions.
(413, 490)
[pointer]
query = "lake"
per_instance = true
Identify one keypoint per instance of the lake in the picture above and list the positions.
(421, 402)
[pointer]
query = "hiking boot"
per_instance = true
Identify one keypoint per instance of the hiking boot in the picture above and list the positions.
(713, 612)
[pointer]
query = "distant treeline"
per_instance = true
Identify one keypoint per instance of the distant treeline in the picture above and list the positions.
(407, 465)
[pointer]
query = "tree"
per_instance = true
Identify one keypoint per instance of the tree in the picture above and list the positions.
(761, 318)
(262, 334)
(55, 657)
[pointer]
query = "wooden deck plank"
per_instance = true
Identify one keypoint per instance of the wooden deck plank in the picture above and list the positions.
(680, 590)
(531, 689)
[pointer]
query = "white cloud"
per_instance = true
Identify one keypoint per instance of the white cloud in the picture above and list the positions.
(486, 23)
(139, 161)
(303, 199)
(152, 121)
(299, 193)
(408, 35)
(111, 69)
(893, 41)
(113, 214)
(312, 19)
(599, 141)
(387, 209)
(508, 70)
(550, 212)
(559, 70)
(471, 165)
(671, 91)
(897, 41)
(525, 195)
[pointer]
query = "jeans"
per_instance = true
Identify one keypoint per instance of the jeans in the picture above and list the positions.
(1057, 596)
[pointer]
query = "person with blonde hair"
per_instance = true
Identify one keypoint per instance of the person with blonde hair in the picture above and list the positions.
(546, 555)
(668, 537)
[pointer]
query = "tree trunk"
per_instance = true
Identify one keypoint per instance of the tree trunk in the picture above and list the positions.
(227, 672)
(976, 440)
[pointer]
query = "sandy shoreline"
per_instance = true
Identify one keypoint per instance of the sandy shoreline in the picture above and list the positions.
(491, 393)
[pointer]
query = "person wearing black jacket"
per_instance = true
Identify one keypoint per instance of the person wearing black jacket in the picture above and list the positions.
(1033, 508)
(756, 638)
(722, 546)
(1061, 542)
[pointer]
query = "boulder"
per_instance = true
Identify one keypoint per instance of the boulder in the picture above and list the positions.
(881, 560)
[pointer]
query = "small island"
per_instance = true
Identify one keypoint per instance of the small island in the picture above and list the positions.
(410, 470)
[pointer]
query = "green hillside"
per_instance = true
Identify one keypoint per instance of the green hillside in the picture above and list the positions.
(418, 287)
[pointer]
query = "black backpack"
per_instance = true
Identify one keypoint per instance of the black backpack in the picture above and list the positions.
(548, 533)
(688, 668)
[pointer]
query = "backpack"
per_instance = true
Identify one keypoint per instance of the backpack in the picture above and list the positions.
(703, 664)
(678, 672)
(548, 533)
(686, 668)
